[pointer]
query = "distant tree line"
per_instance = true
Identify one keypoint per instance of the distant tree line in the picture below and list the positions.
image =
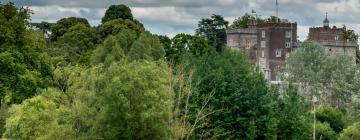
(119, 81)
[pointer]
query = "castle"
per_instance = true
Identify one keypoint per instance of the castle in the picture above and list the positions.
(332, 39)
(269, 44)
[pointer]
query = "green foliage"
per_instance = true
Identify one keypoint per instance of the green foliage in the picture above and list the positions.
(13, 23)
(124, 101)
(241, 102)
(350, 35)
(147, 47)
(166, 42)
(351, 133)
(294, 120)
(353, 112)
(331, 116)
(43, 25)
(243, 21)
(187, 44)
(324, 132)
(3, 115)
(127, 45)
(63, 25)
(76, 45)
(213, 30)
(24, 69)
(117, 12)
(36, 118)
(116, 26)
(333, 78)
(109, 51)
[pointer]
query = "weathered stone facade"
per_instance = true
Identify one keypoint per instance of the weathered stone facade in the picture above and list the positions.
(267, 45)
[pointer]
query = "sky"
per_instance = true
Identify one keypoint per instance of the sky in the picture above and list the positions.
(170, 17)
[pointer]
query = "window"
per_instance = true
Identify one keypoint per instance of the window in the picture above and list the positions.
(263, 33)
(278, 53)
(336, 37)
(262, 63)
(262, 53)
(248, 44)
(287, 45)
(263, 44)
(288, 34)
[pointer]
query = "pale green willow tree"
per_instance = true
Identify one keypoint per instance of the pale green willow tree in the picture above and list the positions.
(333, 79)
(127, 100)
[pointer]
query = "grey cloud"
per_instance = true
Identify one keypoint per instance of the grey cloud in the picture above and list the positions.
(174, 16)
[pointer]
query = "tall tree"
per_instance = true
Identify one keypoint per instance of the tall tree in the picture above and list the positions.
(294, 119)
(63, 25)
(331, 78)
(117, 12)
(187, 44)
(13, 22)
(76, 45)
(241, 100)
(116, 26)
(349, 34)
(213, 30)
(25, 66)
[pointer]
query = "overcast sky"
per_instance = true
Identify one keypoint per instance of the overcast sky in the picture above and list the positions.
(170, 17)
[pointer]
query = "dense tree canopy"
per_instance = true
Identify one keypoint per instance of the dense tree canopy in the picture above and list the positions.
(117, 12)
(112, 81)
(136, 104)
(315, 72)
(25, 66)
(116, 26)
(187, 44)
(213, 30)
(13, 23)
(241, 101)
(76, 45)
(63, 25)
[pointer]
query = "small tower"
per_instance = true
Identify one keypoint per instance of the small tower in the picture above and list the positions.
(326, 21)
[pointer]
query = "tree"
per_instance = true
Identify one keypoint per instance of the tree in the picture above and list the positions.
(324, 131)
(213, 30)
(76, 45)
(108, 52)
(63, 25)
(166, 42)
(25, 69)
(13, 22)
(350, 35)
(241, 100)
(294, 119)
(116, 26)
(185, 43)
(123, 101)
(331, 78)
(38, 118)
(147, 47)
(117, 12)
(331, 116)
(243, 21)
(351, 133)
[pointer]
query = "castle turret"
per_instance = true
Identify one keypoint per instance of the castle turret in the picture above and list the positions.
(326, 22)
